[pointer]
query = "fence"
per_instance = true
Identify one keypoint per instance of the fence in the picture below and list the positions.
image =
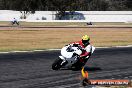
(78, 16)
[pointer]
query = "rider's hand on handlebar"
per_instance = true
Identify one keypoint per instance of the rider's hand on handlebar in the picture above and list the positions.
(75, 45)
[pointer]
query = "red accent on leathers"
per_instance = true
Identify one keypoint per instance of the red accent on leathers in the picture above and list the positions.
(84, 53)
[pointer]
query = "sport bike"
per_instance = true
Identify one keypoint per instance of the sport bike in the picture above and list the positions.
(70, 58)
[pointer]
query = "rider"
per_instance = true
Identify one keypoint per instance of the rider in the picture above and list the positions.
(85, 46)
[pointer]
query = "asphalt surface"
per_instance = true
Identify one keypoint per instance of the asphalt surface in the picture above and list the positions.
(33, 70)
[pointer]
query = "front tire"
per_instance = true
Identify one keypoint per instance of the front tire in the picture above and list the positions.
(57, 64)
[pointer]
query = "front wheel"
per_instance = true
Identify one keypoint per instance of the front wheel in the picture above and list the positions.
(57, 64)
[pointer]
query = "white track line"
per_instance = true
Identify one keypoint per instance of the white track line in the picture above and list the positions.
(57, 49)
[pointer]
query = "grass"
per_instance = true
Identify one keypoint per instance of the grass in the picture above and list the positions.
(46, 24)
(78, 24)
(46, 38)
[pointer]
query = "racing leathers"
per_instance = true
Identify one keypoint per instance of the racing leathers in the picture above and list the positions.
(86, 50)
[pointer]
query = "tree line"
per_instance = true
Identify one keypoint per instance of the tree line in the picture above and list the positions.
(65, 5)
(69, 5)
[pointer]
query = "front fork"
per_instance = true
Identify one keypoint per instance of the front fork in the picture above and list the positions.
(62, 58)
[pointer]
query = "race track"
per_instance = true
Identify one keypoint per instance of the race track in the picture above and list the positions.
(33, 69)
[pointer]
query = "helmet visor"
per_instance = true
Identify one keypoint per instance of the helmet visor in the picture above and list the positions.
(85, 42)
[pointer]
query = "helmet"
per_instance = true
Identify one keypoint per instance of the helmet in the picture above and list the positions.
(85, 40)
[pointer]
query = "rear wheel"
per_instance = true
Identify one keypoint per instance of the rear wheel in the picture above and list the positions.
(78, 65)
(57, 64)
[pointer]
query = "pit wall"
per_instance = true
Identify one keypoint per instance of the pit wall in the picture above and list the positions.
(83, 16)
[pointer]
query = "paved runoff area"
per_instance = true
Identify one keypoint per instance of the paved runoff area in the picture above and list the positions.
(33, 69)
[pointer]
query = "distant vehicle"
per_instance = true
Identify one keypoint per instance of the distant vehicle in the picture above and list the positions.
(71, 16)
(15, 21)
(89, 23)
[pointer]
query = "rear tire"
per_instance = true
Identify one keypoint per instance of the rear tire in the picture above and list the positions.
(57, 64)
(78, 65)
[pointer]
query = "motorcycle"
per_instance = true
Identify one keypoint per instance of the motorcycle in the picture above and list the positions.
(70, 58)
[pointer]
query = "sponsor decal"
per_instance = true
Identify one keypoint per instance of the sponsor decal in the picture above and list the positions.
(119, 82)
(109, 82)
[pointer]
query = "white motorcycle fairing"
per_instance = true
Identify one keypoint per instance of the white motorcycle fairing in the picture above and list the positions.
(68, 56)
